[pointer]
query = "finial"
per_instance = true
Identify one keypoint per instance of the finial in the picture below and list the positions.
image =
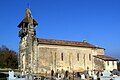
(28, 3)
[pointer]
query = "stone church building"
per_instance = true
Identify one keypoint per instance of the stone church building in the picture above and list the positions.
(38, 55)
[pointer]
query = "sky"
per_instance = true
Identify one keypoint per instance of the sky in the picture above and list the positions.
(96, 21)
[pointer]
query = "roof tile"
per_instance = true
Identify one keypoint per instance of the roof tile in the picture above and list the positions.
(106, 58)
(65, 43)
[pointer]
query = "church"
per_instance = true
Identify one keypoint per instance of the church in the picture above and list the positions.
(38, 55)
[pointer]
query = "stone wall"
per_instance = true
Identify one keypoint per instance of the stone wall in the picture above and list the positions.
(22, 52)
(65, 58)
(110, 65)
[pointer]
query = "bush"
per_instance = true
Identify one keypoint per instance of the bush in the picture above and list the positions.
(2, 75)
(3, 79)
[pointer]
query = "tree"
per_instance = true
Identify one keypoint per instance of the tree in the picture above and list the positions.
(8, 58)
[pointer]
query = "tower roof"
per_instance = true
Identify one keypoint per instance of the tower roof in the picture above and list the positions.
(27, 18)
(28, 13)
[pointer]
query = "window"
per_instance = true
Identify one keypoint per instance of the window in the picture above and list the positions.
(55, 59)
(113, 63)
(89, 57)
(78, 56)
(51, 58)
(62, 56)
(108, 63)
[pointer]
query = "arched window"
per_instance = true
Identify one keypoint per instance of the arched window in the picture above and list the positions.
(51, 58)
(78, 56)
(108, 63)
(62, 56)
(113, 63)
(89, 57)
(55, 58)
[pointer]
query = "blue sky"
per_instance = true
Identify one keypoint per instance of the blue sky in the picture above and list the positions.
(97, 21)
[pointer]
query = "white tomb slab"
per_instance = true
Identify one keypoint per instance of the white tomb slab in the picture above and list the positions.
(117, 78)
(82, 76)
(89, 73)
(106, 73)
(11, 75)
(29, 77)
(22, 73)
(95, 77)
(62, 75)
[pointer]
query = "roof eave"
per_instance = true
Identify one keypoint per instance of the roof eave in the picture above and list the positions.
(24, 21)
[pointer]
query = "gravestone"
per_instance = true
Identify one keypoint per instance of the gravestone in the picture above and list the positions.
(45, 79)
(22, 73)
(83, 76)
(58, 76)
(93, 72)
(11, 75)
(89, 73)
(116, 72)
(95, 77)
(106, 73)
(29, 77)
(62, 75)
(39, 78)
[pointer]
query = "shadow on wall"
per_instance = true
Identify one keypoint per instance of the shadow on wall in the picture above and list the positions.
(118, 66)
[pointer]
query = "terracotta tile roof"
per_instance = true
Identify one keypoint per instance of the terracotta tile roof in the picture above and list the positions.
(66, 43)
(106, 58)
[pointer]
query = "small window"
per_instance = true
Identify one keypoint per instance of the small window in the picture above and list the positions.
(62, 56)
(108, 63)
(77, 56)
(51, 57)
(89, 57)
(55, 55)
(113, 63)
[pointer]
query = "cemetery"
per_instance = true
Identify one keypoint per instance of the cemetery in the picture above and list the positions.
(64, 61)
(86, 75)
(51, 59)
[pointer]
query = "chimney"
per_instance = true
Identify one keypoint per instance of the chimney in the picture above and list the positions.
(84, 41)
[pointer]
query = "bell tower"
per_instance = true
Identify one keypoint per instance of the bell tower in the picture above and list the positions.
(28, 43)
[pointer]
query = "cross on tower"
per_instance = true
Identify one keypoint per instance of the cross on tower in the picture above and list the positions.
(28, 3)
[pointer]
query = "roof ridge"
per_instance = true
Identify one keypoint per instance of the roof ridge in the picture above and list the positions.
(65, 43)
(58, 40)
